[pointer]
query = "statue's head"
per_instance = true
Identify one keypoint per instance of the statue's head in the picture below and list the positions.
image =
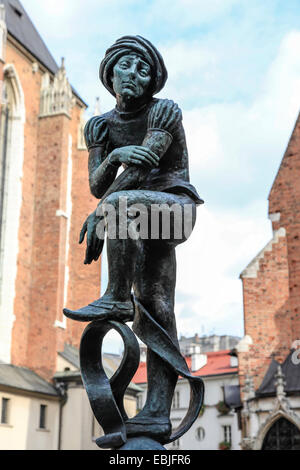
(133, 66)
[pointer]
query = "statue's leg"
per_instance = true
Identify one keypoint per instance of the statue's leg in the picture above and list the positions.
(121, 258)
(116, 302)
(154, 287)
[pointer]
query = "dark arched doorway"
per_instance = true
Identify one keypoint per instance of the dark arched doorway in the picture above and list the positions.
(283, 435)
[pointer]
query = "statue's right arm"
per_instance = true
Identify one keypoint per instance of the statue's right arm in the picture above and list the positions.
(101, 172)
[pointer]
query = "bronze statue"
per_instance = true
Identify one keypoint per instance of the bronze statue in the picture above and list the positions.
(145, 135)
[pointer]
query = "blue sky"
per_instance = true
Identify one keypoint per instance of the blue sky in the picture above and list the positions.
(234, 69)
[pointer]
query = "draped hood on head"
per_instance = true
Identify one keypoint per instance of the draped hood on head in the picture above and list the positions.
(144, 48)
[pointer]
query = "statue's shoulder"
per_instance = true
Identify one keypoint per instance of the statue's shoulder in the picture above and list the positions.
(96, 131)
(165, 114)
(163, 102)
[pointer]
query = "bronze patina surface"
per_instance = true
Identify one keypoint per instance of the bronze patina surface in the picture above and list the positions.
(145, 135)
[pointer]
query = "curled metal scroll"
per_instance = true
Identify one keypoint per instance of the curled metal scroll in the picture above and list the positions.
(106, 395)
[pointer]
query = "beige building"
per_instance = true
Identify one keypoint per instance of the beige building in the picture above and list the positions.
(36, 415)
(217, 426)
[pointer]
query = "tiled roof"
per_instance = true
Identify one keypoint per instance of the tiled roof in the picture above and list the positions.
(218, 363)
(291, 373)
(24, 379)
(110, 363)
(23, 30)
(20, 26)
(70, 354)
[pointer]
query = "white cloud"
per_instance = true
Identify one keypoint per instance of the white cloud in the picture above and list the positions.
(240, 140)
(185, 14)
(209, 291)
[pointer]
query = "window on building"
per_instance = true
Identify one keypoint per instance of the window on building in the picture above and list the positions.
(176, 401)
(43, 416)
(5, 410)
(5, 144)
(200, 433)
(227, 433)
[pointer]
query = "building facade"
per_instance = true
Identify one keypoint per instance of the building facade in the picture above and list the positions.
(217, 427)
(269, 354)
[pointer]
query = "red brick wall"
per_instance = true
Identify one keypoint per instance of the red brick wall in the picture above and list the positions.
(272, 299)
(31, 84)
(266, 313)
(84, 282)
(48, 258)
(42, 235)
(285, 198)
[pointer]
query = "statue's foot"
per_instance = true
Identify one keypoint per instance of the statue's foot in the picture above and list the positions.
(156, 428)
(103, 309)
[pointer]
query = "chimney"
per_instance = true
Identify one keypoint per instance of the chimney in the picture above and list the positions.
(234, 362)
(143, 352)
(198, 360)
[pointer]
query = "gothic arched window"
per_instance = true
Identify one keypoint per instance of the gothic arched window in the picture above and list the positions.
(7, 109)
(12, 120)
(283, 435)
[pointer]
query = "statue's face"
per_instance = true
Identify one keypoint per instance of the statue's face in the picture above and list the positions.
(131, 76)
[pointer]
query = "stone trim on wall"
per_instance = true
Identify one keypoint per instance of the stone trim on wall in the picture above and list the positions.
(12, 215)
(252, 269)
(81, 141)
(3, 32)
(268, 423)
(56, 96)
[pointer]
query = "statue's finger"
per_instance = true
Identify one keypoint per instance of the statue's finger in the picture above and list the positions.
(140, 154)
(144, 160)
(83, 232)
(135, 161)
(94, 244)
(145, 151)
(89, 238)
(99, 249)
(87, 256)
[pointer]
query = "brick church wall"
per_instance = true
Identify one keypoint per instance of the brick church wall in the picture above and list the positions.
(266, 306)
(40, 281)
(272, 296)
(31, 84)
(284, 199)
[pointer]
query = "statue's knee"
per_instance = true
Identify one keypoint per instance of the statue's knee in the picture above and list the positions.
(111, 201)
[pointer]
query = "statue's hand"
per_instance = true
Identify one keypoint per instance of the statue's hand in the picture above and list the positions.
(93, 243)
(134, 155)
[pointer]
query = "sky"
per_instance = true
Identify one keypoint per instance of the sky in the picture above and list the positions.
(234, 70)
